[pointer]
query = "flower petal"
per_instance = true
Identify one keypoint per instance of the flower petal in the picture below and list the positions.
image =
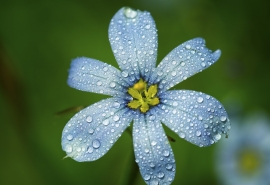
(92, 132)
(91, 75)
(194, 116)
(133, 38)
(152, 150)
(184, 61)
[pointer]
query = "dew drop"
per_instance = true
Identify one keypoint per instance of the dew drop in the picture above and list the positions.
(182, 135)
(217, 137)
(124, 74)
(112, 84)
(152, 165)
(91, 131)
(169, 166)
(69, 149)
(203, 64)
(105, 69)
(96, 143)
(166, 153)
(175, 104)
(223, 118)
(106, 122)
(153, 143)
(198, 133)
(116, 105)
(147, 26)
(116, 118)
(99, 83)
(160, 175)
(152, 117)
(200, 99)
(183, 63)
(69, 137)
(173, 73)
(154, 182)
(90, 149)
(130, 13)
(147, 177)
(188, 46)
(89, 119)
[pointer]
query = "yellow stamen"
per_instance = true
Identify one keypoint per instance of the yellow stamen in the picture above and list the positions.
(249, 162)
(144, 98)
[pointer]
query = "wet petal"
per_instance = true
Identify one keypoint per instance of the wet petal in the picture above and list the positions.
(184, 61)
(92, 132)
(194, 116)
(91, 75)
(133, 39)
(152, 150)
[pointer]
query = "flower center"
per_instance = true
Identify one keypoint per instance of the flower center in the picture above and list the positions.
(143, 97)
(249, 162)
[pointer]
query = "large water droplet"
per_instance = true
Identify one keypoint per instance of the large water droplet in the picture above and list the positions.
(200, 99)
(173, 73)
(160, 175)
(169, 166)
(130, 13)
(217, 137)
(223, 118)
(90, 149)
(112, 84)
(68, 149)
(106, 122)
(147, 177)
(124, 74)
(116, 118)
(182, 135)
(154, 182)
(166, 153)
(89, 119)
(69, 137)
(198, 133)
(96, 143)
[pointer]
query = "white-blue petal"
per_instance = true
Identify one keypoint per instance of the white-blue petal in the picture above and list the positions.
(91, 75)
(182, 62)
(133, 39)
(152, 150)
(92, 132)
(194, 116)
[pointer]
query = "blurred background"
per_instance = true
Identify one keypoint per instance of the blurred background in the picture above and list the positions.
(39, 38)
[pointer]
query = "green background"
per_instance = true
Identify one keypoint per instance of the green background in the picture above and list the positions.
(39, 38)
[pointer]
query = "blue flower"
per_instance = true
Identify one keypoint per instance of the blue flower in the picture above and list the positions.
(140, 94)
(245, 157)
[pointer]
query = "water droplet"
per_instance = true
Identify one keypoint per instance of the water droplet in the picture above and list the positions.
(174, 73)
(175, 103)
(96, 143)
(116, 105)
(68, 149)
(106, 122)
(105, 69)
(116, 118)
(182, 135)
(188, 46)
(99, 83)
(79, 149)
(200, 118)
(91, 131)
(152, 165)
(223, 118)
(169, 166)
(198, 133)
(203, 64)
(89, 119)
(152, 117)
(160, 175)
(183, 63)
(200, 99)
(147, 177)
(154, 182)
(124, 74)
(90, 149)
(153, 143)
(217, 137)
(130, 13)
(205, 125)
(147, 26)
(69, 137)
(146, 150)
(166, 153)
(112, 84)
